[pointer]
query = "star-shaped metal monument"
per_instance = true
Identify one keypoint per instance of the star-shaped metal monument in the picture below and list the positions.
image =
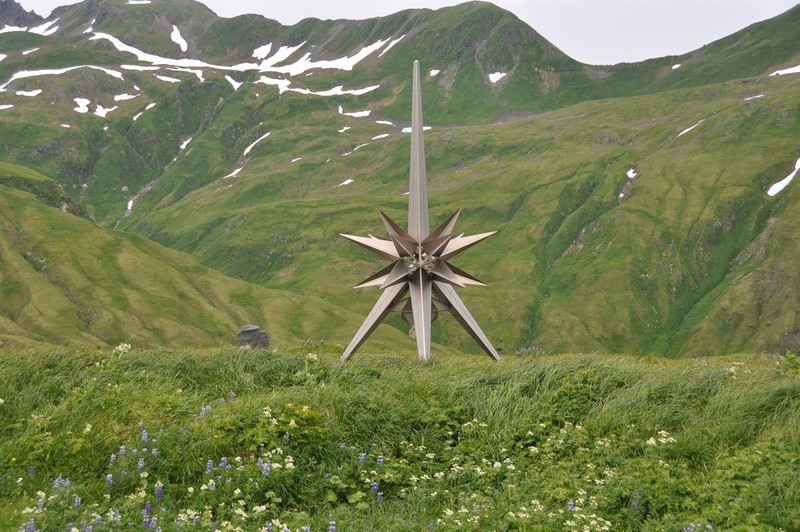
(419, 282)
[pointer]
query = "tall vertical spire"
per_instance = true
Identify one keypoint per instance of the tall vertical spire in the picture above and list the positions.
(418, 188)
(419, 281)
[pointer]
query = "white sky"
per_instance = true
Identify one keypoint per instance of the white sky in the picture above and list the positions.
(591, 31)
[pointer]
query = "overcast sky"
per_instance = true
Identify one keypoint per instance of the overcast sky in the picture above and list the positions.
(591, 31)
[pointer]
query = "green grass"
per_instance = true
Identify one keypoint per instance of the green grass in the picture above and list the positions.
(530, 443)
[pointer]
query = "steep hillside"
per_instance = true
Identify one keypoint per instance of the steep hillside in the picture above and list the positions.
(64, 280)
(641, 224)
(638, 189)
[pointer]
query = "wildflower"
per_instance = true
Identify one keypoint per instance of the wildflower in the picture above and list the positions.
(31, 472)
(159, 491)
(380, 459)
(380, 497)
(40, 505)
(571, 505)
(76, 501)
(113, 458)
(374, 487)
(109, 480)
(266, 470)
(148, 509)
(634, 505)
(2, 401)
(87, 429)
(231, 396)
(286, 436)
(223, 464)
(205, 410)
(343, 446)
(332, 526)
(140, 465)
(144, 436)
(361, 457)
(122, 450)
(209, 466)
(154, 451)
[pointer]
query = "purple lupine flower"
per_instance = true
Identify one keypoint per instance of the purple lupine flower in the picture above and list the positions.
(154, 451)
(68, 527)
(571, 505)
(76, 501)
(144, 436)
(380, 497)
(115, 517)
(40, 504)
(361, 457)
(122, 450)
(159, 491)
(61, 483)
(343, 446)
(306, 529)
(268, 526)
(223, 464)
(286, 436)
(113, 458)
(140, 465)
(373, 487)
(109, 480)
(135, 451)
(431, 526)
(205, 410)
(148, 509)
(196, 520)
(380, 459)
(266, 470)
(231, 396)
(32, 472)
(209, 467)
(332, 526)
(30, 526)
(635, 505)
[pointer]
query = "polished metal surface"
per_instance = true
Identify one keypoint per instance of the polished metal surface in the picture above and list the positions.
(419, 281)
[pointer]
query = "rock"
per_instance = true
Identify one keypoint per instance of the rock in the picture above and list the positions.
(252, 336)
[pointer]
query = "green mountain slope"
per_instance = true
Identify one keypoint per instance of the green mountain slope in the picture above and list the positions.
(672, 266)
(64, 280)
(254, 147)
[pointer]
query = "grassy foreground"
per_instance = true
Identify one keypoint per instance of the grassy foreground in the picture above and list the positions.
(295, 440)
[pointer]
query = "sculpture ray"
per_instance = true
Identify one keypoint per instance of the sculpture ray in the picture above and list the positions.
(419, 281)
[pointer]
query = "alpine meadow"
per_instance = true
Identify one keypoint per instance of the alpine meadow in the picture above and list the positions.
(168, 175)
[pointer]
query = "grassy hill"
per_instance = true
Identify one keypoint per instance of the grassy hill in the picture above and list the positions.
(190, 438)
(242, 168)
(65, 280)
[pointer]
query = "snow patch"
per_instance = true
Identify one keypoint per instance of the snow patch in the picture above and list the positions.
(780, 185)
(688, 129)
(178, 39)
(356, 114)
(136, 116)
(494, 77)
(90, 29)
(676, 66)
(632, 173)
(103, 111)
(345, 128)
(129, 206)
(11, 29)
(792, 70)
(433, 72)
(757, 96)
(262, 51)
(168, 79)
(185, 143)
(235, 84)
(138, 2)
(391, 44)
(150, 106)
(3, 56)
(259, 139)
(383, 136)
(355, 149)
(140, 68)
(297, 159)
(66, 126)
(45, 28)
(408, 129)
(82, 105)
(123, 97)
(26, 52)
(384, 122)
(5, 106)
(345, 182)
(35, 92)
(234, 173)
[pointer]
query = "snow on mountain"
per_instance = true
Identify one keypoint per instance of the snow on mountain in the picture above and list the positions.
(688, 129)
(178, 39)
(783, 183)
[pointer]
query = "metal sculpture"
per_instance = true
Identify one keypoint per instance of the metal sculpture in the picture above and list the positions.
(419, 281)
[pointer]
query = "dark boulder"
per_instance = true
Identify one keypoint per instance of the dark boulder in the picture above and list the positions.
(252, 336)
